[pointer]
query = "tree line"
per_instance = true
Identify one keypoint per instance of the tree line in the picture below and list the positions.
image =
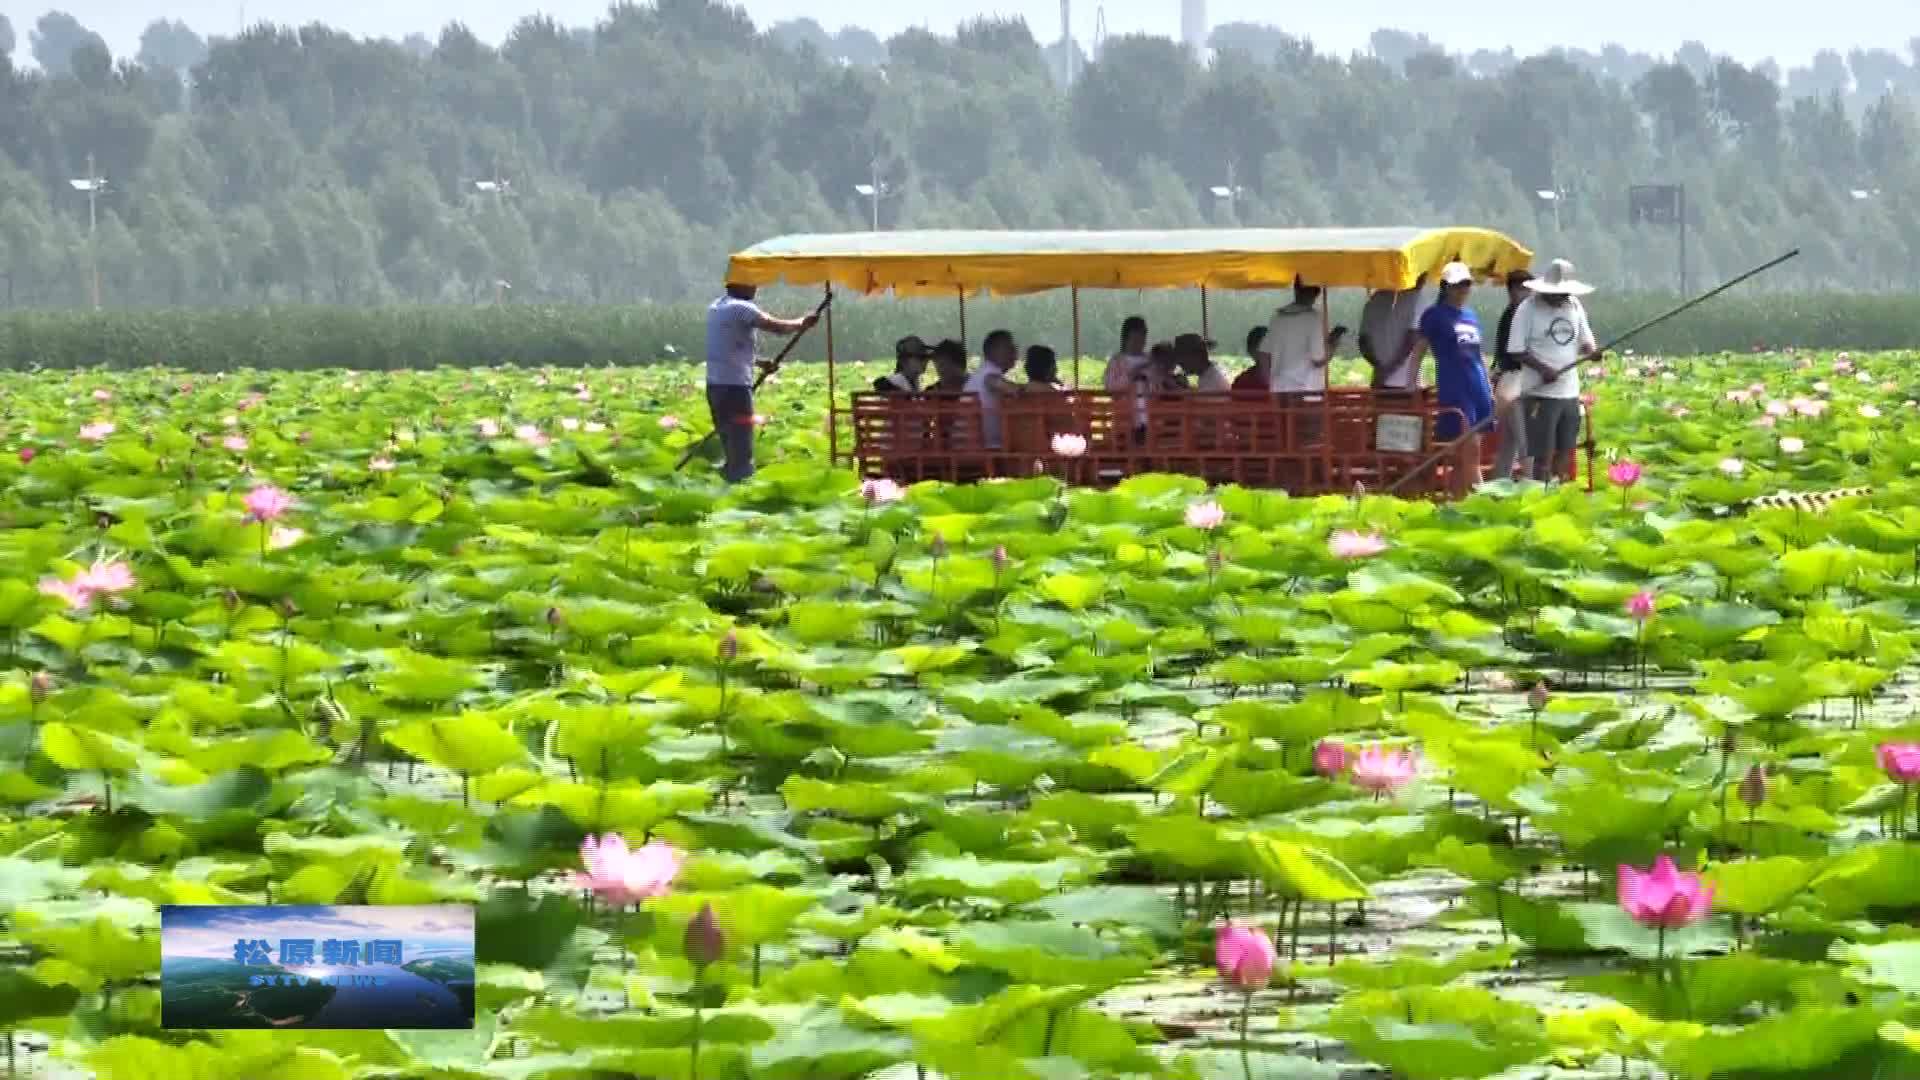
(621, 162)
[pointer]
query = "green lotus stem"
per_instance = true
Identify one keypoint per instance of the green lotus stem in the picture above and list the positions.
(1246, 1006)
(1662, 947)
(1333, 932)
(693, 1068)
(1046, 1040)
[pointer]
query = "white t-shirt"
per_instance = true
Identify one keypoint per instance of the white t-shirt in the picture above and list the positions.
(1121, 368)
(979, 384)
(1556, 336)
(1296, 342)
(1214, 381)
(1389, 321)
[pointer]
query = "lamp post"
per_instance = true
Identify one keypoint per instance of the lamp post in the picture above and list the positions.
(874, 192)
(92, 185)
(1661, 204)
(1552, 198)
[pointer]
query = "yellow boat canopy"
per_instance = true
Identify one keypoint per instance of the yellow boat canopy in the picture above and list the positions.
(945, 263)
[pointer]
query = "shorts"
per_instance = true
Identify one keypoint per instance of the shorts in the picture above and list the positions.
(1553, 425)
(1448, 426)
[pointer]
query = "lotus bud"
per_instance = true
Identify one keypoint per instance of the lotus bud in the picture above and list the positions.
(305, 437)
(938, 545)
(1537, 697)
(230, 600)
(40, 686)
(555, 618)
(729, 646)
(102, 521)
(1729, 741)
(1753, 787)
(288, 609)
(999, 559)
(705, 942)
(27, 455)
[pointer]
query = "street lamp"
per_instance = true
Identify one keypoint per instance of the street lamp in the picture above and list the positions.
(1863, 194)
(1553, 199)
(874, 192)
(92, 185)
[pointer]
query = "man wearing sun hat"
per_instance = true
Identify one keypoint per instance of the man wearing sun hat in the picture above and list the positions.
(1551, 337)
(1452, 333)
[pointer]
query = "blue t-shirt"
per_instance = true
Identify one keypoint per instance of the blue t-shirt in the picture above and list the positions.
(730, 323)
(1460, 376)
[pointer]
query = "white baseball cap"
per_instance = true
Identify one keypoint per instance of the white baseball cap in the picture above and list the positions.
(1456, 273)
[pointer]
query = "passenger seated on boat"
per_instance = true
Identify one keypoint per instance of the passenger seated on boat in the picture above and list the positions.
(949, 368)
(909, 365)
(1125, 364)
(998, 354)
(1043, 370)
(1191, 355)
(1157, 376)
(1255, 377)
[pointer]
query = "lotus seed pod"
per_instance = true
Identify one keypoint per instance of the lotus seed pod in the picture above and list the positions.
(230, 600)
(729, 646)
(1729, 741)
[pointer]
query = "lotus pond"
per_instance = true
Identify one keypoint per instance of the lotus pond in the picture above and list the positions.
(975, 783)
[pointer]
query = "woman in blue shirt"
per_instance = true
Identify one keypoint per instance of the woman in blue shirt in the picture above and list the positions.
(1452, 332)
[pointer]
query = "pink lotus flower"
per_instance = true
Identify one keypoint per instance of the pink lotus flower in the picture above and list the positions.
(569, 423)
(1641, 605)
(531, 435)
(285, 536)
(621, 876)
(489, 429)
(1348, 544)
(1384, 770)
(1500, 681)
(881, 491)
(1778, 408)
(103, 394)
(761, 419)
(232, 421)
(1589, 400)
(75, 593)
(1330, 758)
(1732, 466)
(1664, 897)
(1870, 411)
(594, 427)
(1765, 422)
(1244, 956)
(235, 443)
(1842, 364)
(669, 423)
(1809, 407)
(1739, 397)
(1623, 474)
(1069, 446)
(27, 454)
(1900, 761)
(1205, 515)
(96, 432)
(267, 503)
(1791, 445)
(109, 577)
(380, 464)
(1823, 387)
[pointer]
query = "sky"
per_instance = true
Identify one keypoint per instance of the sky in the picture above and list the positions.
(1738, 28)
(211, 931)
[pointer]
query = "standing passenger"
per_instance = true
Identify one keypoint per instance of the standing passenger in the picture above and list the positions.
(1551, 332)
(1389, 336)
(1300, 352)
(731, 322)
(1511, 424)
(1452, 331)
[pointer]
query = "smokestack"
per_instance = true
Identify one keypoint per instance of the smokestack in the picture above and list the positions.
(1193, 26)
